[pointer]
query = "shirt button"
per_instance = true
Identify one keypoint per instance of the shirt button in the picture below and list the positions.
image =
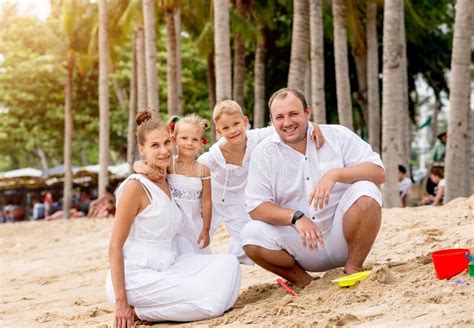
(306, 158)
(307, 178)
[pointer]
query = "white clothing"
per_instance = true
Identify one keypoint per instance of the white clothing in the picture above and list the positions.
(404, 187)
(163, 286)
(228, 183)
(442, 183)
(335, 251)
(187, 193)
(281, 175)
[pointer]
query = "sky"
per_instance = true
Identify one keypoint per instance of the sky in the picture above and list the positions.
(38, 8)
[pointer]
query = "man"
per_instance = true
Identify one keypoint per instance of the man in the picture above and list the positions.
(404, 184)
(312, 210)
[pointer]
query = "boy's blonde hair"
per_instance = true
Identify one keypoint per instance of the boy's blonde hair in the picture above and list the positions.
(175, 122)
(227, 107)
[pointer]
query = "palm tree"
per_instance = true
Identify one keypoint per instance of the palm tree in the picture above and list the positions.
(343, 89)
(150, 55)
(177, 22)
(172, 65)
(259, 79)
(131, 143)
(459, 100)
(141, 70)
(239, 56)
(373, 93)
(317, 61)
(222, 50)
(299, 44)
(392, 99)
(104, 131)
(77, 29)
(405, 125)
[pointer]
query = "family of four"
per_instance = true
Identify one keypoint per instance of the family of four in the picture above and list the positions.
(294, 197)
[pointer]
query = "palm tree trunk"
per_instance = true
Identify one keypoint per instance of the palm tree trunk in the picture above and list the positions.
(141, 70)
(239, 70)
(360, 59)
(469, 185)
(459, 100)
(68, 132)
(392, 99)
(259, 84)
(239, 59)
(172, 72)
(318, 100)
(211, 87)
(343, 88)
(43, 159)
(307, 83)
(373, 93)
(222, 50)
(405, 127)
(131, 141)
(299, 44)
(150, 55)
(177, 23)
(104, 131)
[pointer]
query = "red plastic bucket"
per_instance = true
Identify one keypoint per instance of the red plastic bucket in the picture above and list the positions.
(450, 262)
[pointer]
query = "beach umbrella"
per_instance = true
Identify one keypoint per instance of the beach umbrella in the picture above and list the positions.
(26, 172)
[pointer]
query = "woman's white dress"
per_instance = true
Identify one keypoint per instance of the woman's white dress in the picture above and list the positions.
(187, 193)
(165, 286)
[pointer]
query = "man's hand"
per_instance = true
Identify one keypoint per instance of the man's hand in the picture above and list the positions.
(203, 240)
(319, 195)
(318, 136)
(124, 315)
(309, 233)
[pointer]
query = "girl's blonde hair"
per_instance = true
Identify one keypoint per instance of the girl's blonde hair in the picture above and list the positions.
(175, 122)
(227, 107)
(146, 122)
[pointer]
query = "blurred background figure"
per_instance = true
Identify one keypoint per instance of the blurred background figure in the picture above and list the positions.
(404, 184)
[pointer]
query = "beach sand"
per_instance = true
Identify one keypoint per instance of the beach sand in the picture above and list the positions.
(53, 273)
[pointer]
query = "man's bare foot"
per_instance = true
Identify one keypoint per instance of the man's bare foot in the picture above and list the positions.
(350, 269)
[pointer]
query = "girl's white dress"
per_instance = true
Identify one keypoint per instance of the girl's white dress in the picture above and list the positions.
(165, 286)
(187, 193)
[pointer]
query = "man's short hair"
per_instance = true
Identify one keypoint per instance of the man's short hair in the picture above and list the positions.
(284, 92)
(402, 169)
(227, 107)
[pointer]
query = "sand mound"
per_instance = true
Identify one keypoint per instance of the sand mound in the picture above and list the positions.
(53, 275)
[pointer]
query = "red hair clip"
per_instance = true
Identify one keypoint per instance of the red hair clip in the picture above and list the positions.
(171, 126)
(204, 140)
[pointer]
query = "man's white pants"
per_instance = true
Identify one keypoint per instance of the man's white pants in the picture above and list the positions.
(335, 252)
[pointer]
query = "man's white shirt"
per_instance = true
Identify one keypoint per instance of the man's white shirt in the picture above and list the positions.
(283, 176)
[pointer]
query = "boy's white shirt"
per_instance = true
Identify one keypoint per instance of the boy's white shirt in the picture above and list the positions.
(281, 175)
(228, 181)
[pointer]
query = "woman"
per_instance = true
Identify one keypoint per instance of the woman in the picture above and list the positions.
(147, 277)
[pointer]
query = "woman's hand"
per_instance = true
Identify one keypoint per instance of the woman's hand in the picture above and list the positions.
(203, 240)
(318, 136)
(124, 315)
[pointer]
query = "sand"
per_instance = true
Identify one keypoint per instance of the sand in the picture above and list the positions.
(52, 274)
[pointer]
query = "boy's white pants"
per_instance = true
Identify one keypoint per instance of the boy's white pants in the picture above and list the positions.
(234, 217)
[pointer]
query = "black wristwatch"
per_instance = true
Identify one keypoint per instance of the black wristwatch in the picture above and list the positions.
(296, 216)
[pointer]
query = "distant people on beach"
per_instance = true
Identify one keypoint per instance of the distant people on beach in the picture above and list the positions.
(404, 184)
(439, 183)
(103, 207)
(438, 152)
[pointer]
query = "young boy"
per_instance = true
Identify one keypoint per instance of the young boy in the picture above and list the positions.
(404, 184)
(228, 160)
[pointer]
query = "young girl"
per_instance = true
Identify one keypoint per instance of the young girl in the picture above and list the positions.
(190, 183)
(147, 277)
